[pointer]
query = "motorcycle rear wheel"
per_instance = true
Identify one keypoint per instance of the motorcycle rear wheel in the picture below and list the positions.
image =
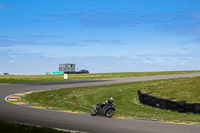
(110, 113)
(93, 112)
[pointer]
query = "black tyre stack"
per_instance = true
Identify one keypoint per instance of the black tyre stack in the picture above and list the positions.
(168, 104)
(173, 105)
(181, 106)
(197, 108)
(189, 107)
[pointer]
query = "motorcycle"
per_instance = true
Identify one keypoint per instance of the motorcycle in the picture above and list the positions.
(107, 109)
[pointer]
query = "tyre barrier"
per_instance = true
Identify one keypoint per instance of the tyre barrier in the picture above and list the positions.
(168, 104)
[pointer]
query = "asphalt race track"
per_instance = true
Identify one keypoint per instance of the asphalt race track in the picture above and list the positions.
(84, 122)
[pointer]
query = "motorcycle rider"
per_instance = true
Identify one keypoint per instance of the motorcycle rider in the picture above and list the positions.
(109, 101)
(107, 108)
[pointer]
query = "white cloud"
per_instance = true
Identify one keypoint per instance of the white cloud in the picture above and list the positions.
(12, 61)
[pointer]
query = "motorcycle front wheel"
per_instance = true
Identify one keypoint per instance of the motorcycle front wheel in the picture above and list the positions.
(110, 113)
(93, 112)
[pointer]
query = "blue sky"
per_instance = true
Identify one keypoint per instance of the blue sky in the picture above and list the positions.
(99, 35)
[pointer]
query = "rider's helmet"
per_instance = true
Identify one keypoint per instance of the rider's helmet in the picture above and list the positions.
(111, 99)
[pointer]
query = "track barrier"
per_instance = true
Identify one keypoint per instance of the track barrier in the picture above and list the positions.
(168, 104)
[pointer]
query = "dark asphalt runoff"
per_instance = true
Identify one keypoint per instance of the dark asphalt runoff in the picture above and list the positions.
(84, 122)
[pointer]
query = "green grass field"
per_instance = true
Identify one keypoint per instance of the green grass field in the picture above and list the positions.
(182, 90)
(126, 99)
(52, 78)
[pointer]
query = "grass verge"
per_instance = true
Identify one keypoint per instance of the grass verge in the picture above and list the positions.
(52, 78)
(82, 99)
(12, 127)
(183, 90)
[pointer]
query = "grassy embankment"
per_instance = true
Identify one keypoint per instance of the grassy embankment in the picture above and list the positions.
(52, 78)
(126, 99)
(11, 127)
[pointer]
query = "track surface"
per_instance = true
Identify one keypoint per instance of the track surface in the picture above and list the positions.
(84, 122)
